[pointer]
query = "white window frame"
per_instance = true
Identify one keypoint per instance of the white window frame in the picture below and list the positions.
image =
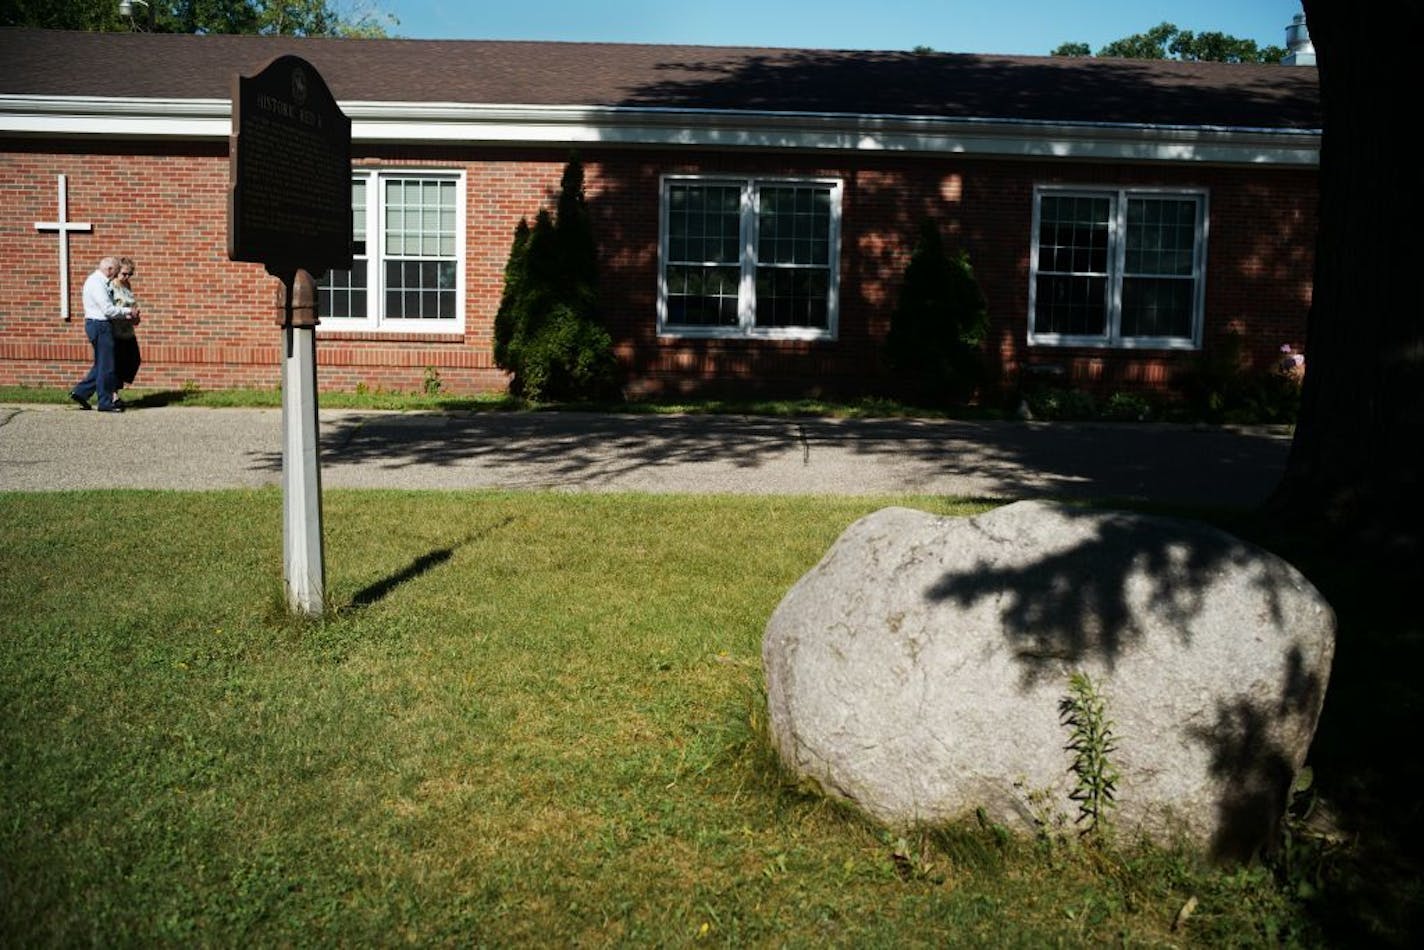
(1112, 336)
(375, 321)
(746, 327)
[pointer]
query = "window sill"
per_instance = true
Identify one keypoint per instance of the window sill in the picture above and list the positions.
(792, 336)
(1098, 343)
(389, 336)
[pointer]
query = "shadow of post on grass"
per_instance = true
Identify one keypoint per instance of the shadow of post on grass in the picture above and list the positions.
(376, 592)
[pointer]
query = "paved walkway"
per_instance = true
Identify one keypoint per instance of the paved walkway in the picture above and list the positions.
(44, 448)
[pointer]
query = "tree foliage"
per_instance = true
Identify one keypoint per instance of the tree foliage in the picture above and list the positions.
(287, 17)
(546, 333)
(938, 323)
(1165, 41)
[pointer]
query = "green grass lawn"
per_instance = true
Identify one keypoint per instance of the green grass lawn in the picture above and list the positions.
(526, 718)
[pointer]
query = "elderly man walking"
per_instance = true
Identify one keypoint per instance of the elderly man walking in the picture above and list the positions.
(99, 309)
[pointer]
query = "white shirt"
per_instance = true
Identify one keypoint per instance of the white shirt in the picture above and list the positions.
(98, 305)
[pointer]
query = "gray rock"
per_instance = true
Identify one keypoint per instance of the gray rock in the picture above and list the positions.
(917, 670)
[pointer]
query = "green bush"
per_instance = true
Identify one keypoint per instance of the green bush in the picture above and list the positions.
(546, 332)
(1128, 407)
(1223, 387)
(939, 323)
(1216, 383)
(1050, 402)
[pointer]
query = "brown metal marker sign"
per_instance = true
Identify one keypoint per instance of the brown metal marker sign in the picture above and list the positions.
(290, 184)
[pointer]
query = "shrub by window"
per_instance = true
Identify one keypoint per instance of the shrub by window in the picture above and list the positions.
(938, 323)
(547, 333)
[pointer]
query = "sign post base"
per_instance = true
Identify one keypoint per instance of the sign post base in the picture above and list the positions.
(303, 558)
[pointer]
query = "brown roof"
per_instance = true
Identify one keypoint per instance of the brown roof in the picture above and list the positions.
(952, 85)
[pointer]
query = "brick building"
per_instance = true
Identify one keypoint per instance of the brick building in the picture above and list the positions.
(754, 208)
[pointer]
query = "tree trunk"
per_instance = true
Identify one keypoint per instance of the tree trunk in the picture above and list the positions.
(1354, 458)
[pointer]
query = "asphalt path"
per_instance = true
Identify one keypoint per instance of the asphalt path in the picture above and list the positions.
(52, 448)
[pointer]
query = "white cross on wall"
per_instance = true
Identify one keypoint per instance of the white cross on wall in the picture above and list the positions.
(63, 226)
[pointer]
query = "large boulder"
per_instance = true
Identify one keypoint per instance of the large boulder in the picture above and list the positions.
(917, 671)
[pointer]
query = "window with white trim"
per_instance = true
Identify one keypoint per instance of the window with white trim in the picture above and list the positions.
(749, 257)
(407, 271)
(1117, 267)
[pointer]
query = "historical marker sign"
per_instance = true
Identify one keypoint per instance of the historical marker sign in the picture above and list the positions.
(290, 209)
(290, 188)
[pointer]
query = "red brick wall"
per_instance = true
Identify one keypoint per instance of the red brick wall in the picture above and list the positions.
(209, 320)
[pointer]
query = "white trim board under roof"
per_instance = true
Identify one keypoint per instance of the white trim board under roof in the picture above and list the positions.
(65, 117)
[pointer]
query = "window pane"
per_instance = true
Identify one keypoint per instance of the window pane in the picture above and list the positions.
(1070, 305)
(702, 296)
(704, 227)
(704, 223)
(340, 293)
(1073, 234)
(793, 224)
(1161, 236)
(1156, 307)
(358, 209)
(421, 242)
(793, 256)
(787, 297)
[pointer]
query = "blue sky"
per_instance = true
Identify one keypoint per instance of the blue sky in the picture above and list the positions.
(1032, 27)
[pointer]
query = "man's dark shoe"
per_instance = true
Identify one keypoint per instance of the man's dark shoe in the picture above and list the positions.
(111, 409)
(83, 403)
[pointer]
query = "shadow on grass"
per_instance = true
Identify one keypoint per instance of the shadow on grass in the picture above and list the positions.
(163, 397)
(375, 593)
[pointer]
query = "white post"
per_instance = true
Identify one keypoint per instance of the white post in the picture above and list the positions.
(302, 555)
(63, 226)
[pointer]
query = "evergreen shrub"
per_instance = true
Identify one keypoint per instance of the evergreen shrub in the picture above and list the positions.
(547, 333)
(939, 323)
